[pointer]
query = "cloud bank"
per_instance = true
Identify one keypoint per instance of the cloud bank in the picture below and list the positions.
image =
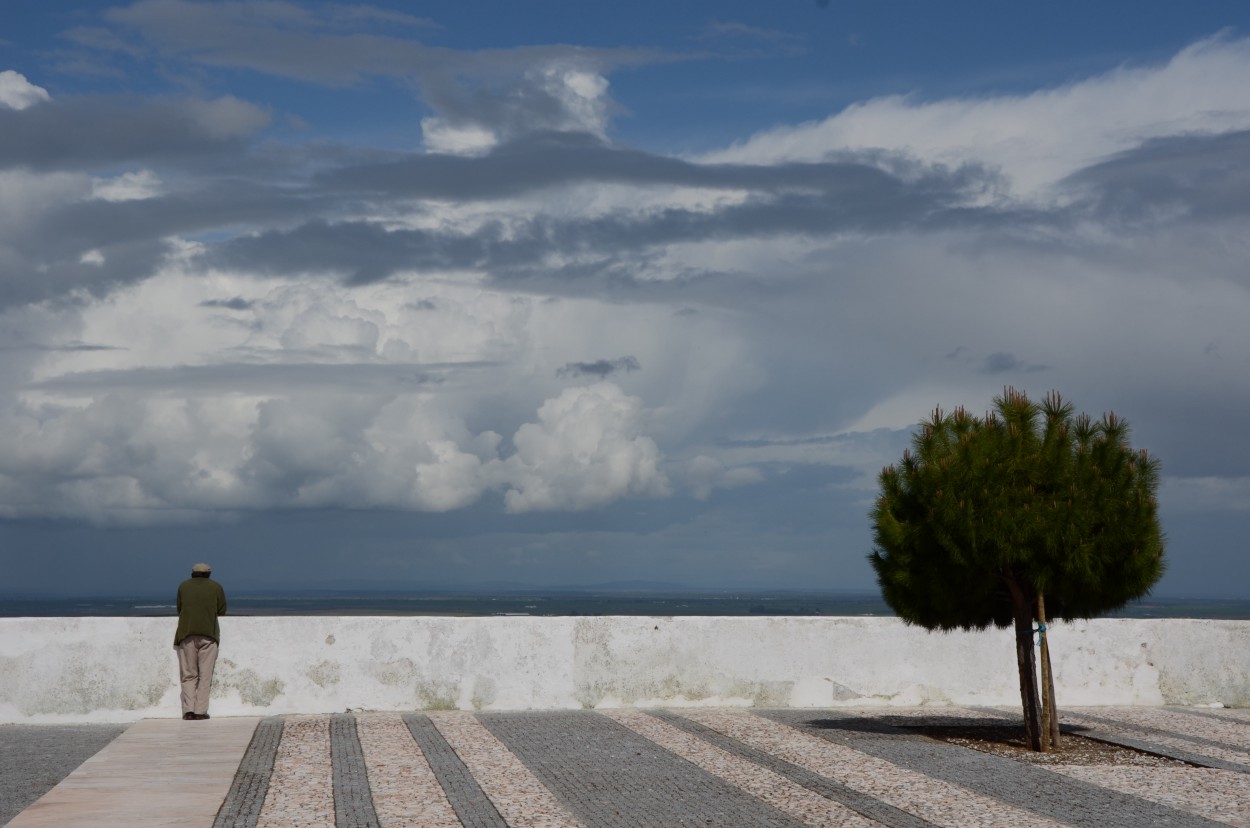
(523, 315)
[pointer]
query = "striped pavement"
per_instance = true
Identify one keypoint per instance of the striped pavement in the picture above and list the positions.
(634, 768)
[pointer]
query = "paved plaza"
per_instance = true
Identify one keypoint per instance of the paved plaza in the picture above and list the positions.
(631, 768)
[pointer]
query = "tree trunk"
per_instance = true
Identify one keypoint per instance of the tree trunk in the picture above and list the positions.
(1046, 689)
(1022, 610)
(1050, 711)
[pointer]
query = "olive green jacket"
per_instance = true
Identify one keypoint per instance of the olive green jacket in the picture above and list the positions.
(200, 601)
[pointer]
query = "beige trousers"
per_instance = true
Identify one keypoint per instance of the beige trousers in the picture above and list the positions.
(196, 656)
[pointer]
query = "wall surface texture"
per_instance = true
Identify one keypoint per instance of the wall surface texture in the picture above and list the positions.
(122, 669)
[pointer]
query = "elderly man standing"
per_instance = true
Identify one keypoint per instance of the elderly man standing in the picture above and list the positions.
(200, 601)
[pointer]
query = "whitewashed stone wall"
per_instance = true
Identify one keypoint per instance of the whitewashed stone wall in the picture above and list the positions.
(122, 669)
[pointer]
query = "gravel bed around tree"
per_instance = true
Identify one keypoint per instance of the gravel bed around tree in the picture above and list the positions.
(1073, 749)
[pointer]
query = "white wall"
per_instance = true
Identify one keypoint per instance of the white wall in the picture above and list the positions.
(122, 669)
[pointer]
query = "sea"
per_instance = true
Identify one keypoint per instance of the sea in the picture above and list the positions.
(541, 602)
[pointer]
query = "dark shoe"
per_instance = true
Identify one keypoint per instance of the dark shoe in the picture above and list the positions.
(188, 716)
(200, 716)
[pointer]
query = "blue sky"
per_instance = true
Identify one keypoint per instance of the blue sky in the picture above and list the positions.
(406, 295)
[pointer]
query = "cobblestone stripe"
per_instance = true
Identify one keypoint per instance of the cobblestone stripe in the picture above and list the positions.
(353, 803)
(516, 792)
(301, 793)
(737, 767)
(406, 793)
(1228, 738)
(869, 810)
(952, 716)
(1168, 743)
(1223, 715)
(1215, 794)
(243, 802)
(469, 803)
(613, 778)
(1050, 794)
(939, 802)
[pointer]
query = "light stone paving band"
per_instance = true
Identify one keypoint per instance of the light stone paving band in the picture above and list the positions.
(467, 799)
(1053, 795)
(353, 802)
(1215, 794)
(1236, 723)
(611, 777)
(243, 802)
(859, 802)
(301, 790)
(406, 793)
(1235, 736)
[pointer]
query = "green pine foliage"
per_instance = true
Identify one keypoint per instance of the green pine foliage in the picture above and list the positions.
(1030, 497)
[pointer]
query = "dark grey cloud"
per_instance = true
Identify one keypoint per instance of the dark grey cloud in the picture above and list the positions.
(50, 274)
(233, 303)
(551, 159)
(242, 378)
(599, 368)
(1196, 177)
(296, 234)
(86, 133)
(363, 252)
(800, 199)
(224, 208)
(45, 260)
(1003, 363)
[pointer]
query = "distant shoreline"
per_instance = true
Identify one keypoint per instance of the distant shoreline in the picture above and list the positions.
(548, 603)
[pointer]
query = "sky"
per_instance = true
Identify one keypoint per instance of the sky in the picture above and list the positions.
(417, 295)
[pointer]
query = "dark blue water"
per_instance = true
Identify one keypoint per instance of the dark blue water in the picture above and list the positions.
(549, 603)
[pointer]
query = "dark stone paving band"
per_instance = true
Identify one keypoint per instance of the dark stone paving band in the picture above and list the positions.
(611, 777)
(1211, 714)
(242, 804)
(857, 801)
(1053, 795)
(353, 801)
(1193, 757)
(468, 800)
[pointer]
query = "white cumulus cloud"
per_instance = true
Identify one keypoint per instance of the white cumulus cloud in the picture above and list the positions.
(586, 450)
(130, 186)
(18, 93)
(440, 135)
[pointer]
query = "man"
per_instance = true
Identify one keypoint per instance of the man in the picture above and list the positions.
(200, 601)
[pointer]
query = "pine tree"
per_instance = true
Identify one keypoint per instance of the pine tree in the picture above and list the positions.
(1028, 512)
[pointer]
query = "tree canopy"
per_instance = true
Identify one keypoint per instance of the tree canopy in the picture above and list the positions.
(1030, 496)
